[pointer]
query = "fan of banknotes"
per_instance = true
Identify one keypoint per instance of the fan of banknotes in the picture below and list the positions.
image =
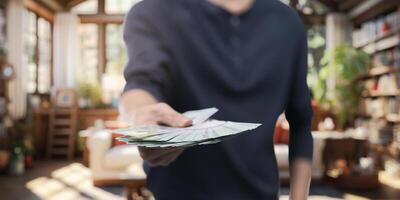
(203, 131)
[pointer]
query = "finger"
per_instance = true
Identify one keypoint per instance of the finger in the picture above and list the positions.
(156, 155)
(155, 149)
(150, 154)
(166, 159)
(170, 117)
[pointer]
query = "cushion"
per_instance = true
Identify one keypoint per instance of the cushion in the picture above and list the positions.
(281, 135)
(282, 153)
(121, 157)
(116, 142)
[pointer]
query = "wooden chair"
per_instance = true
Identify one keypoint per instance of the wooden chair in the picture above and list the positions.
(131, 185)
(63, 124)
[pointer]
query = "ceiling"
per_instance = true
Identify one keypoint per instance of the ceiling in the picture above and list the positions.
(58, 5)
(335, 5)
(369, 8)
(341, 5)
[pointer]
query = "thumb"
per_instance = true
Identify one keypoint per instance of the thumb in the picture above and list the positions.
(170, 117)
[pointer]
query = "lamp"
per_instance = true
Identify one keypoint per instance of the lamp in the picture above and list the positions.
(112, 86)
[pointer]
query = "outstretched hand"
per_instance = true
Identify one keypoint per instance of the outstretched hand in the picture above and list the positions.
(154, 114)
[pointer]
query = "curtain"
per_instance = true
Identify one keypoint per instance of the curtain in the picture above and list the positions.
(15, 49)
(66, 50)
(338, 30)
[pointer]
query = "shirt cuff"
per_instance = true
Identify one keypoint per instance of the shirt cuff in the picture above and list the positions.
(150, 88)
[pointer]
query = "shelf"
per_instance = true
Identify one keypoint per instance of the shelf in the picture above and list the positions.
(377, 71)
(379, 94)
(395, 118)
(388, 150)
(383, 43)
(377, 39)
(370, 9)
(391, 117)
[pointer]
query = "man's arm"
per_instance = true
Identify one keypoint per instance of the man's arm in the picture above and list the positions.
(299, 115)
(141, 108)
(148, 82)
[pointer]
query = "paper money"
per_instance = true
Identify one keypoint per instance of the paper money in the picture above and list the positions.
(203, 131)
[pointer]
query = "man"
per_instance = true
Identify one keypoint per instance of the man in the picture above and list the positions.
(246, 57)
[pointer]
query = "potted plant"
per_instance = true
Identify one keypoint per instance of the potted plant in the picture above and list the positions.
(90, 95)
(336, 87)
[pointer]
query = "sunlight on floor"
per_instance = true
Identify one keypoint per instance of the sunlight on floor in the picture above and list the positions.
(388, 180)
(74, 182)
(315, 197)
(69, 182)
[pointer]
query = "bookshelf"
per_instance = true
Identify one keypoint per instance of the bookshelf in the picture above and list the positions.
(372, 9)
(379, 35)
(377, 32)
(382, 43)
(377, 71)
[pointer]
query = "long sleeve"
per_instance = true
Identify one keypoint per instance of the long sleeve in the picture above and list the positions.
(148, 60)
(298, 108)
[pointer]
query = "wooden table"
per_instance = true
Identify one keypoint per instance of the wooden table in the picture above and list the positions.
(131, 185)
(87, 117)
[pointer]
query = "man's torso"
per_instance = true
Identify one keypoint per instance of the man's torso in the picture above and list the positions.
(240, 64)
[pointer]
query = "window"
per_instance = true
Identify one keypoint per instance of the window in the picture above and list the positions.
(311, 7)
(44, 68)
(316, 48)
(103, 49)
(89, 52)
(119, 6)
(37, 52)
(286, 1)
(316, 45)
(30, 41)
(116, 55)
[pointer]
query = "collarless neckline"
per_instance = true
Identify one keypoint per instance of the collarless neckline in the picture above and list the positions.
(219, 10)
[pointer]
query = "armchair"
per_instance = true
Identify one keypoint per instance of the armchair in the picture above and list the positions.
(110, 165)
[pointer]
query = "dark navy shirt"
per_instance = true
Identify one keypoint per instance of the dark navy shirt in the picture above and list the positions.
(192, 54)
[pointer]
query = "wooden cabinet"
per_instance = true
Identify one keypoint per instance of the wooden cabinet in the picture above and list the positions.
(87, 117)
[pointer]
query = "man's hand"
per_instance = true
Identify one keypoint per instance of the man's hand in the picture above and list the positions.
(159, 113)
(141, 108)
(300, 178)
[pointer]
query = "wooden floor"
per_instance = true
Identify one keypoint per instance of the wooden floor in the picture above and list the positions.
(53, 180)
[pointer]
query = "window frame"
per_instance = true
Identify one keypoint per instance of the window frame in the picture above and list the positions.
(101, 19)
(36, 57)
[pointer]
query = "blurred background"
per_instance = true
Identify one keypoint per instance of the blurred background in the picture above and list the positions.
(61, 64)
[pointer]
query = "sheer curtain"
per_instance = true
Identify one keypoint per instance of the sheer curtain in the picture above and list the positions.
(66, 50)
(15, 49)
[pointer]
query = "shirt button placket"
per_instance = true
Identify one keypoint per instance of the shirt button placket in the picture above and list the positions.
(235, 40)
(235, 21)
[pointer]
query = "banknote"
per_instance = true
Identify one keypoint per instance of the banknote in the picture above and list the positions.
(203, 131)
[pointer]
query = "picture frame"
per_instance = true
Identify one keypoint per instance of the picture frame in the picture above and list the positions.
(66, 98)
